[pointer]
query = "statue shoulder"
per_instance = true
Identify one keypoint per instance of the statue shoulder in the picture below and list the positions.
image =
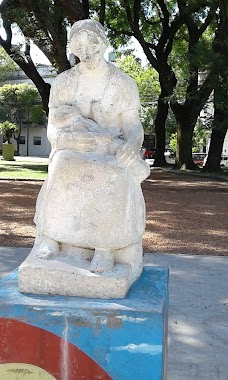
(122, 78)
(62, 78)
(126, 88)
(60, 87)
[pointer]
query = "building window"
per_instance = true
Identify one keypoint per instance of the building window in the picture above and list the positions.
(36, 140)
(22, 140)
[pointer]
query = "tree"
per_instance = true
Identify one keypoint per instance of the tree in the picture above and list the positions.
(199, 80)
(45, 22)
(154, 25)
(16, 102)
(148, 85)
(220, 121)
(7, 65)
(158, 26)
(23, 59)
(8, 129)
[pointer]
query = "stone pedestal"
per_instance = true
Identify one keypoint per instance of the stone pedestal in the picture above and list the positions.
(68, 338)
(69, 274)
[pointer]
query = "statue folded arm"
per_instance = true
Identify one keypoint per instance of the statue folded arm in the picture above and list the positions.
(133, 135)
(67, 129)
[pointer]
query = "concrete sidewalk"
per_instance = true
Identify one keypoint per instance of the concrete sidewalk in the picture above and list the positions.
(198, 316)
(198, 313)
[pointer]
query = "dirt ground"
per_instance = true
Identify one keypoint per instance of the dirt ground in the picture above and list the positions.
(185, 214)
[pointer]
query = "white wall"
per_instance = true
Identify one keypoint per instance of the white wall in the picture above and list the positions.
(42, 150)
(18, 76)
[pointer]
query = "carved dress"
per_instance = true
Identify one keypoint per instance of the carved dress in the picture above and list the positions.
(88, 199)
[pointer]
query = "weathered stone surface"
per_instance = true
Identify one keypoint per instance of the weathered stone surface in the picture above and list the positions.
(92, 197)
(68, 276)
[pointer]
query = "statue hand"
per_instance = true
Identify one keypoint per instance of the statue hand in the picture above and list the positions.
(127, 155)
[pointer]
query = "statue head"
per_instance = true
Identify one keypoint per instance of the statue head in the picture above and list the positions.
(88, 42)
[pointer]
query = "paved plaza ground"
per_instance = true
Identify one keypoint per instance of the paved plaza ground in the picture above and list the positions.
(187, 220)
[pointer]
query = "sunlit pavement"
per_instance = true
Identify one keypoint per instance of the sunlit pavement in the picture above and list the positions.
(198, 315)
(198, 312)
(29, 158)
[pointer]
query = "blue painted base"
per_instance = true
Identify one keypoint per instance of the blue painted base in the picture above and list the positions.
(127, 338)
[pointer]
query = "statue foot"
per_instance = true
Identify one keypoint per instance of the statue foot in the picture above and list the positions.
(48, 249)
(103, 261)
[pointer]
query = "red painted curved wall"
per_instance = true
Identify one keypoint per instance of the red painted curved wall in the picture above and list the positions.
(22, 343)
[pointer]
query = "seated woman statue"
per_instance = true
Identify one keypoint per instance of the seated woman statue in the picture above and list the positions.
(92, 197)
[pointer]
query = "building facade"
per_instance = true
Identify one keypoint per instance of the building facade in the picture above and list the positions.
(33, 140)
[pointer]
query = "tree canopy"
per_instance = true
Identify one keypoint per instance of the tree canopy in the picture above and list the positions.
(180, 39)
(148, 85)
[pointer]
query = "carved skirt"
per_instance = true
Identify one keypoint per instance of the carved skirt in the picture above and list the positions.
(90, 201)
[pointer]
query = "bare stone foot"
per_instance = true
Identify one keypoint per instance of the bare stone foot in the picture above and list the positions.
(48, 249)
(103, 261)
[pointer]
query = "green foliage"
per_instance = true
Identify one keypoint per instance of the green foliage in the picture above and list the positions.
(7, 129)
(37, 115)
(7, 65)
(200, 137)
(146, 79)
(115, 20)
(16, 100)
(173, 143)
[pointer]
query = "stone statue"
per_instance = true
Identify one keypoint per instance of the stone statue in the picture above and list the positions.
(90, 213)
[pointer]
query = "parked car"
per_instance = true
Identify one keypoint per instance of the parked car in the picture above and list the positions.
(148, 153)
(199, 158)
(223, 162)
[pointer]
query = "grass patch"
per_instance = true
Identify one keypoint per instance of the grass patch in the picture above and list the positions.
(23, 169)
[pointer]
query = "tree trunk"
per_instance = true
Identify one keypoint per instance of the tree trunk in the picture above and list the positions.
(162, 112)
(17, 138)
(44, 91)
(185, 124)
(18, 142)
(215, 151)
(18, 145)
(220, 122)
(219, 128)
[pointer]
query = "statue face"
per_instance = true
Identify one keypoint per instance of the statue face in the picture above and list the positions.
(88, 47)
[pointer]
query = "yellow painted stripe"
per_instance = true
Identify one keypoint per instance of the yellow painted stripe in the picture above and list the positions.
(21, 371)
